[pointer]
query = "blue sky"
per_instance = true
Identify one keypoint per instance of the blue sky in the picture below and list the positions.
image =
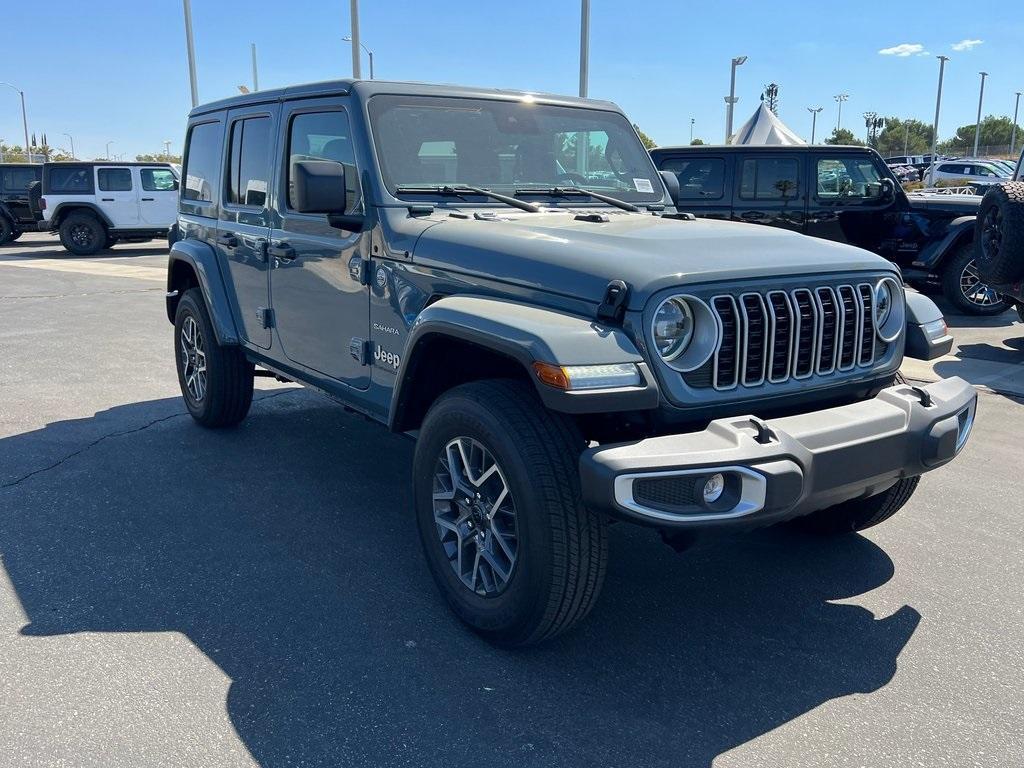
(116, 69)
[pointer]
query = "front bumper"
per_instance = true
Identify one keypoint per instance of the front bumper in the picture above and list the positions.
(779, 469)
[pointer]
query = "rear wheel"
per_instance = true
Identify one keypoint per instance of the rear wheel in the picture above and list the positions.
(999, 233)
(498, 505)
(962, 285)
(7, 234)
(216, 381)
(82, 234)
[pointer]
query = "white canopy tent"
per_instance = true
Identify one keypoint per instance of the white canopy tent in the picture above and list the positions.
(764, 128)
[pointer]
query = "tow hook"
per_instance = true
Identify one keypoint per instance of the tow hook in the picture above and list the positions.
(764, 434)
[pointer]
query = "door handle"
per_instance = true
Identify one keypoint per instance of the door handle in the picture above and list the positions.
(147, 199)
(228, 241)
(107, 199)
(281, 252)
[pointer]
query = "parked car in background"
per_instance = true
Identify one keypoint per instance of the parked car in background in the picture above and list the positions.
(847, 194)
(93, 205)
(970, 172)
(503, 276)
(919, 163)
(16, 213)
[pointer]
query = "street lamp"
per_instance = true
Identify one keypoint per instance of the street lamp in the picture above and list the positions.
(584, 46)
(731, 99)
(840, 98)
(977, 125)
(24, 119)
(167, 149)
(348, 39)
(72, 140)
(935, 125)
(190, 49)
(354, 39)
(255, 74)
(1013, 133)
(108, 148)
(814, 119)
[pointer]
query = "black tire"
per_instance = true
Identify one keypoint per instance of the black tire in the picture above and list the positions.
(963, 288)
(15, 235)
(82, 234)
(860, 514)
(7, 232)
(109, 243)
(226, 391)
(1020, 312)
(35, 194)
(999, 233)
(562, 548)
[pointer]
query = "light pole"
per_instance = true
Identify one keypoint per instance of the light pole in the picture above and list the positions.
(840, 98)
(24, 119)
(357, 71)
(191, 51)
(906, 139)
(692, 121)
(255, 74)
(977, 125)
(348, 39)
(1013, 132)
(72, 140)
(108, 148)
(167, 150)
(935, 125)
(731, 99)
(814, 119)
(584, 47)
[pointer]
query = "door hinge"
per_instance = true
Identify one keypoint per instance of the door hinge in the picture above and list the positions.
(359, 270)
(265, 316)
(360, 349)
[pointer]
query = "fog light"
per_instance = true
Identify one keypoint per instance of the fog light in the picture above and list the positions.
(713, 488)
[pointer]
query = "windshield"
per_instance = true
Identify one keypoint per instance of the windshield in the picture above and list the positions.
(426, 141)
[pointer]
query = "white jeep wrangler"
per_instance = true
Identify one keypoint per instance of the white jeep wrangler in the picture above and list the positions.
(93, 205)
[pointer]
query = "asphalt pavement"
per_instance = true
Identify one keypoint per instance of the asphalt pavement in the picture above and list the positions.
(174, 596)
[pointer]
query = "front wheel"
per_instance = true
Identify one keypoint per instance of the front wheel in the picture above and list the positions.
(500, 514)
(6, 231)
(82, 234)
(962, 285)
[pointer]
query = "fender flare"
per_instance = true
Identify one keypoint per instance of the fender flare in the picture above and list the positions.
(526, 334)
(926, 334)
(59, 213)
(937, 252)
(202, 260)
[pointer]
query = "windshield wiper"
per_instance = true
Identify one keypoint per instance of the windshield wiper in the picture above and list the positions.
(462, 190)
(566, 191)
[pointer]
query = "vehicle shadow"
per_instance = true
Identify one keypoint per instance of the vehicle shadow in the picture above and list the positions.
(55, 251)
(286, 551)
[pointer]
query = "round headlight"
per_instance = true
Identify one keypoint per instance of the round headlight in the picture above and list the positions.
(672, 327)
(883, 302)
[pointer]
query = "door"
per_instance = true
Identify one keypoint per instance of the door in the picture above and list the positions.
(770, 191)
(244, 224)
(320, 303)
(158, 197)
(848, 202)
(702, 184)
(14, 184)
(118, 196)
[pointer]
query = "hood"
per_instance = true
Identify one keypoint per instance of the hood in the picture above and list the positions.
(554, 251)
(966, 205)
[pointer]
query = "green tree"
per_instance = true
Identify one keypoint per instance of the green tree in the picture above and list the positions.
(995, 132)
(648, 142)
(158, 158)
(904, 137)
(697, 142)
(843, 136)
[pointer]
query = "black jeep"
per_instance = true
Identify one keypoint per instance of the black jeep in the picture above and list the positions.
(847, 194)
(16, 214)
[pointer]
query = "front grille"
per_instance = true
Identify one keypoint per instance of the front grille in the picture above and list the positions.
(782, 335)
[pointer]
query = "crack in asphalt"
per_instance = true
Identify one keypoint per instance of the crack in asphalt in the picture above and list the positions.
(121, 433)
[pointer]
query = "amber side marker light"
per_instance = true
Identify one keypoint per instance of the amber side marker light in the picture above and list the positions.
(576, 377)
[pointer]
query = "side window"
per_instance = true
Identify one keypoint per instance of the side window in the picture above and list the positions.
(250, 162)
(114, 179)
(202, 159)
(324, 136)
(847, 178)
(158, 180)
(69, 180)
(700, 178)
(769, 178)
(17, 179)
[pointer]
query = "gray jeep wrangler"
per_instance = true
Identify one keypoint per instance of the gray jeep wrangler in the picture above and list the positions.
(503, 276)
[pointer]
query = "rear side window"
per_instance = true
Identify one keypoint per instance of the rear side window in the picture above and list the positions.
(69, 180)
(322, 136)
(18, 179)
(250, 162)
(201, 162)
(158, 180)
(700, 178)
(114, 179)
(769, 178)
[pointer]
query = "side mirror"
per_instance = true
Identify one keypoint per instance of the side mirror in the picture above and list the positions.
(888, 189)
(319, 186)
(672, 185)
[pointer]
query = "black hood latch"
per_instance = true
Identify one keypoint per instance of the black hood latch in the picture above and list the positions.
(613, 305)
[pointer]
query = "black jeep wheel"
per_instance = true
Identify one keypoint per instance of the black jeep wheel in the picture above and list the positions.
(500, 514)
(82, 234)
(999, 233)
(962, 285)
(216, 381)
(109, 242)
(7, 232)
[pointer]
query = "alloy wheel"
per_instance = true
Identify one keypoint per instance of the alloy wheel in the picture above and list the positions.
(475, 516)
(193, 359)
(81, 235)
(974, 290)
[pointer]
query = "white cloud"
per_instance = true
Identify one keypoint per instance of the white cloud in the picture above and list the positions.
(966, 45)
(925, 53)
(904, 49)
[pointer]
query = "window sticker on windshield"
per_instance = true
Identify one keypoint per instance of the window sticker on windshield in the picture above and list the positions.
(643, 185)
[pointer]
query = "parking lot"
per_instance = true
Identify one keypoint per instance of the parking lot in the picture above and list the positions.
(171, 596)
